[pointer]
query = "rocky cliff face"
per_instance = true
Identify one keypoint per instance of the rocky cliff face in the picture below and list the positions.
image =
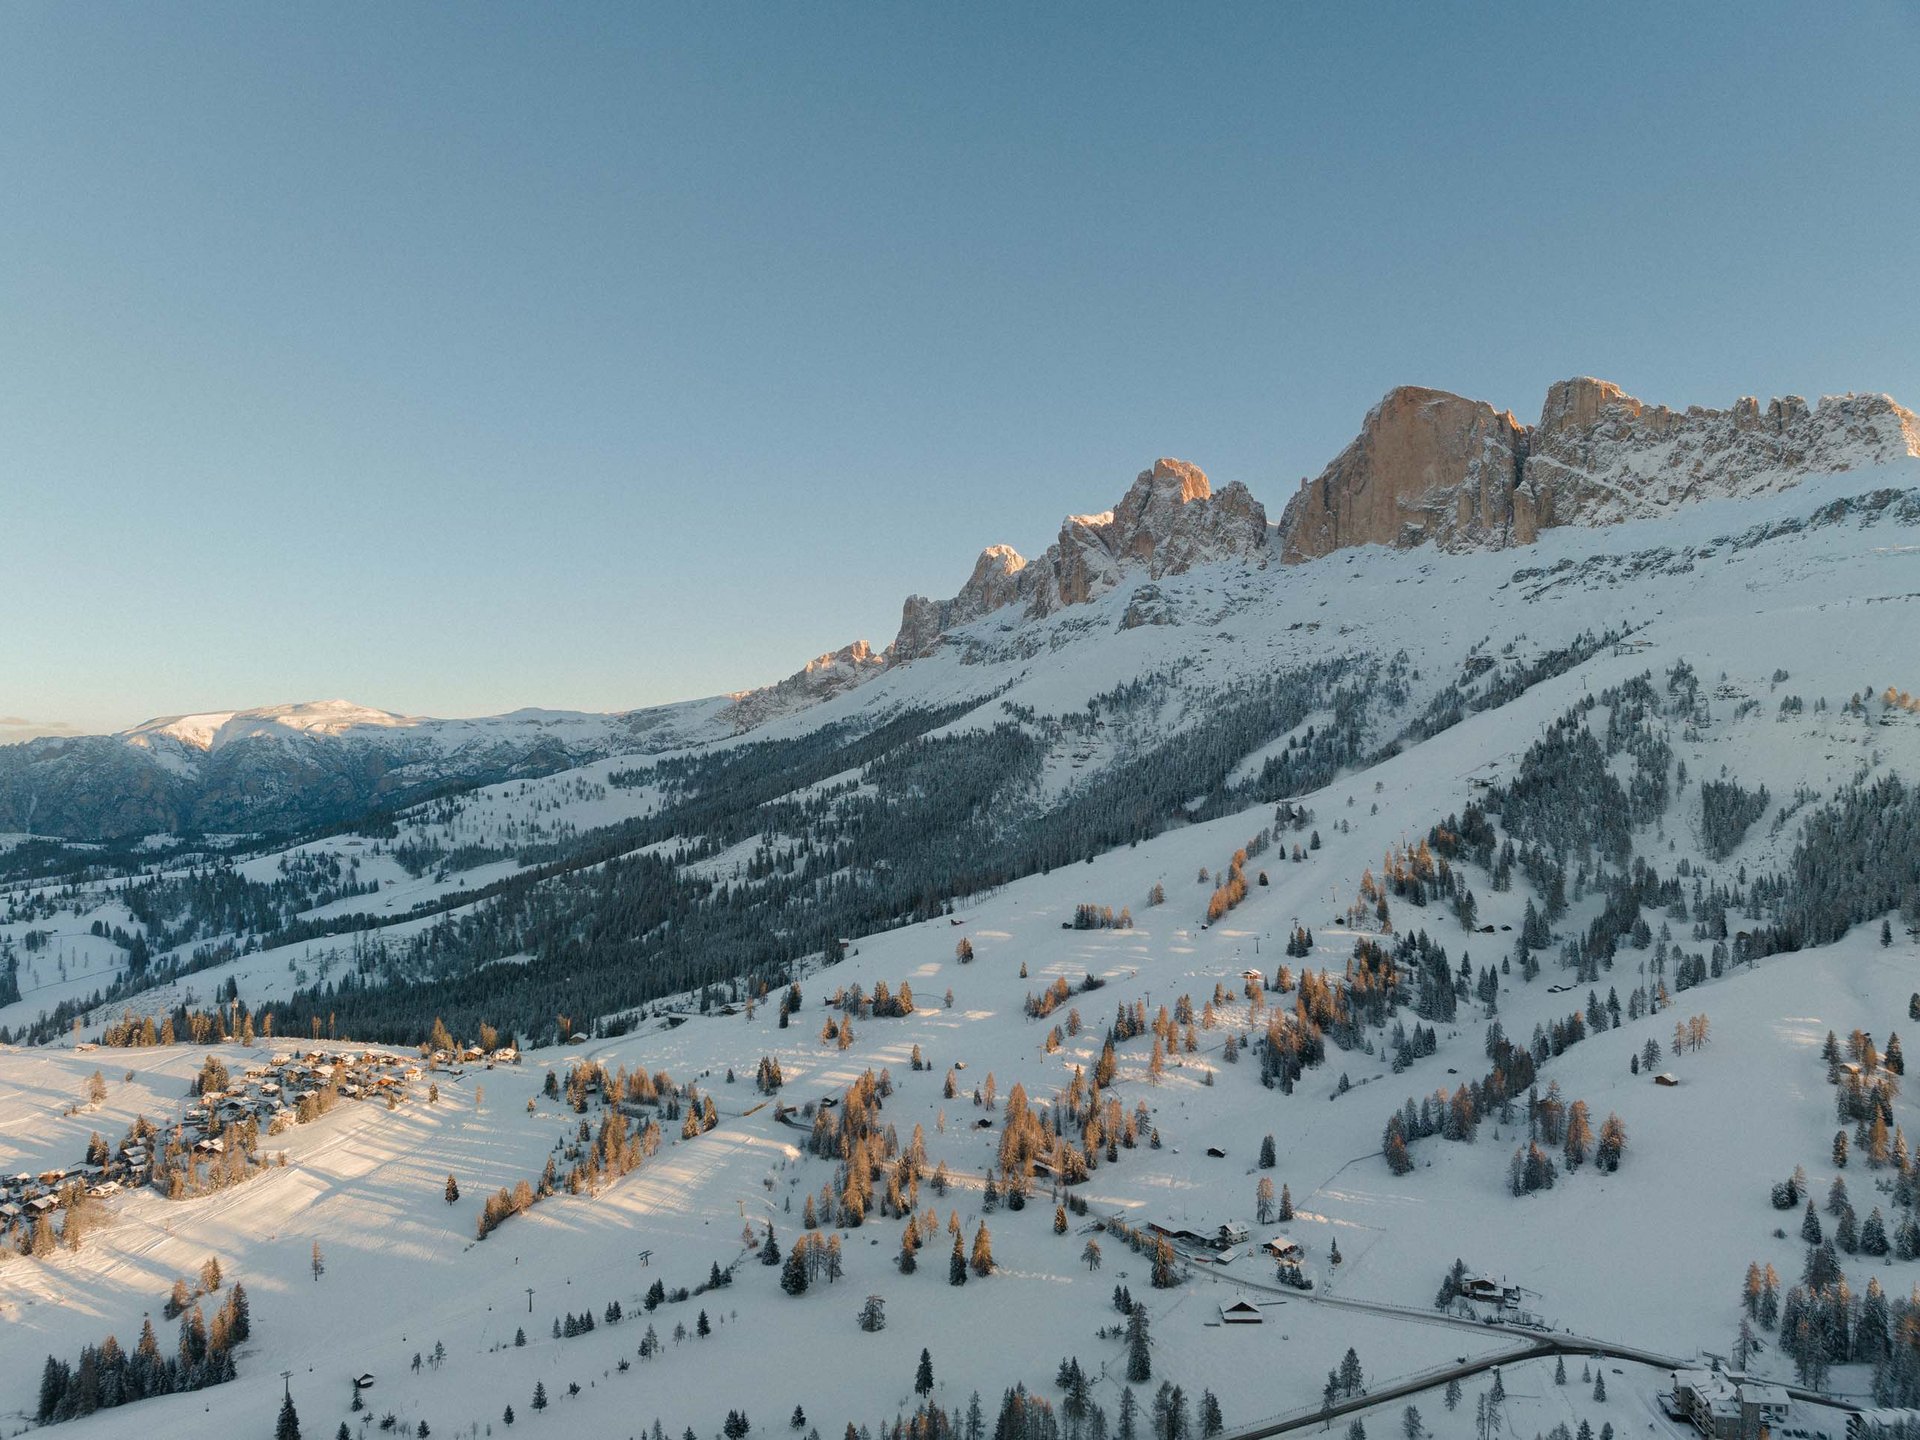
(1169, 521)
(1599, 456)
(819, 679)
(995, 582)
(1426, 466)
(1430, 467)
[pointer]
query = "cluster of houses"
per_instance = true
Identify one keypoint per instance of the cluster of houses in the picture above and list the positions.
(262, 1093)
(474, 1055)
(1726, 1407)
(27, 1196)
(265, 1092)
(1221, 1240)
(1222, 1245)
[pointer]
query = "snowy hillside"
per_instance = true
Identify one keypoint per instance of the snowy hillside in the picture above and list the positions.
(1392, 855)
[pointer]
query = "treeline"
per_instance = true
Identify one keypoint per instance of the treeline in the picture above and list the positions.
(935, 817)
(105, 1376)
(1467, 696)
(1564, 796)
(1727, 812)
(1858, 859)
(215, 900)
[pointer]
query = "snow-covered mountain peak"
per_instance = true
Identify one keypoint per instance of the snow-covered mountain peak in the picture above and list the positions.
(214, 729)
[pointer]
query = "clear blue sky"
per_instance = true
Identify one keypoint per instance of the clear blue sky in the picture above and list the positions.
(452, 359)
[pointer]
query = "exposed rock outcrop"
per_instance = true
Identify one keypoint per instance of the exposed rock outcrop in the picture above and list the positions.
(1599, 456)
(821, 678)
(1431, 467)
(1169, 521)
(1426, 466)
(995, 582)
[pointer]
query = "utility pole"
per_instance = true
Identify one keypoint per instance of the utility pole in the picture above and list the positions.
(286, 1380)
(529, 1299)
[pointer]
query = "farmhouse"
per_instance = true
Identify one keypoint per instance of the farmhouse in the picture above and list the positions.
(1241, 1312)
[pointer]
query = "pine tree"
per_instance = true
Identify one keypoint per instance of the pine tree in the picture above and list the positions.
(239, 1314)
(1268, 1158)
(793, 1277)
(957, 1264)
(287, 1427)
(1351, 1374)
(1212, 1422)
(923, 1375)
(539, 1395)
(1139, 1359)
(453, 1190)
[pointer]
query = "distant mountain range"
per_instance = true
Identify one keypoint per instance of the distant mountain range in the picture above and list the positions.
(1428, 468)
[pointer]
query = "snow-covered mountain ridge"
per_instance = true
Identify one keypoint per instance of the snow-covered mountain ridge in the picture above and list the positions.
(1429, 469)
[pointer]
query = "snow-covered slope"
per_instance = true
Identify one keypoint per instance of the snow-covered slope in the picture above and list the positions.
(1329, 718)
(287, 767)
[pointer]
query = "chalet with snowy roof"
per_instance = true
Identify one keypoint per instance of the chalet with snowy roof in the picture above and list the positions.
(1241, 1312)
(1281, 1248)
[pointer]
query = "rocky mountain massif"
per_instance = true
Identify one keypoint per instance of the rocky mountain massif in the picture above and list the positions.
(1428, 467)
